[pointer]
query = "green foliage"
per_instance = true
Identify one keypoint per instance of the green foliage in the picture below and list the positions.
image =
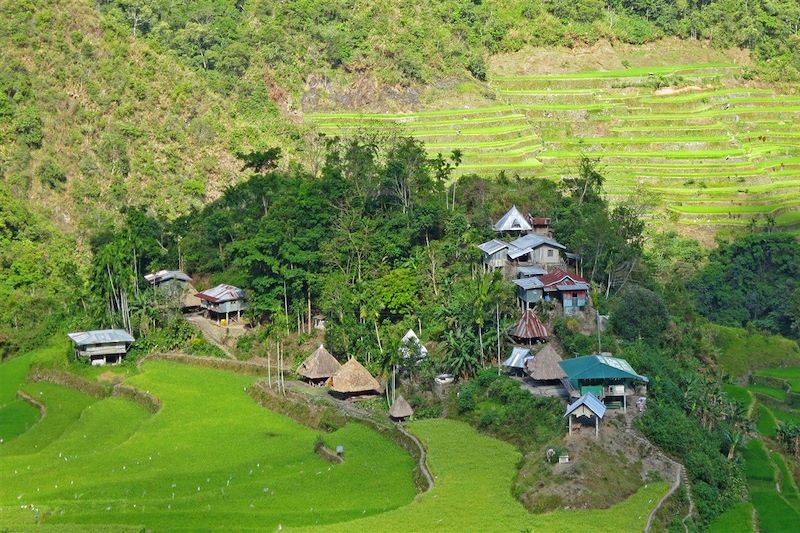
(748, 282)
(740, 351)
(28, 126)
(499, 406)
(51, 175)
(639, 313)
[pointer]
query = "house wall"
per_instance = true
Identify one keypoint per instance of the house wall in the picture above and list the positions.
(497, 259)
(530, 295)
(224, 307)
(172, 287)
(546, 255)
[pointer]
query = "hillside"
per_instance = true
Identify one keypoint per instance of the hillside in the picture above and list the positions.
(96, 120)
(676, 119)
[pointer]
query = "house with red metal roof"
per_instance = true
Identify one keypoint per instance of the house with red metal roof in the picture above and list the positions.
(223, 300)
(570, 289)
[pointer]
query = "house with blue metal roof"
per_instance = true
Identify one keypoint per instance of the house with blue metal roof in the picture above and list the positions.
(609, 378)
(587, 406)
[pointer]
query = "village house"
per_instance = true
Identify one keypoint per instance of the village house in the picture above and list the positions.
(512, 222)
(176, 286)
(544, 369)
(400, 409)
(353, 381)
(571, 290)
(410, 345)
(319, 366)
(101, 347)
(541, 226)
(515, 362)
(529, 247)
(610, 379)
(222, 300)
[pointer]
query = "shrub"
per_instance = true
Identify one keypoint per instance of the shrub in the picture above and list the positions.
(51, 175)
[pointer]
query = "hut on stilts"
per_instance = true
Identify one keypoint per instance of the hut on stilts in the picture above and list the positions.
(400, 409)
(352, 381)
(319, 366)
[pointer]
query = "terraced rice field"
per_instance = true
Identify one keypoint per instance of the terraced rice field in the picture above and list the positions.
(212, 460)
(718, 151)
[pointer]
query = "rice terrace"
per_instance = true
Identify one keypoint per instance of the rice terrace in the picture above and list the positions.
(513, 266)
(714, 149)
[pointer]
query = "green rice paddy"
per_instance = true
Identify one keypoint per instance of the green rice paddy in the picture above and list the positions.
(720, 152)
(212, 460)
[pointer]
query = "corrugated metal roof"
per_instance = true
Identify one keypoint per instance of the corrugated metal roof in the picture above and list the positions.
(558, 276)
(514, 252)
(166, 275)
(222, 293)
(591, 402)
(527, 271)
(513, 220)
(100, 336)
(599, 367)
(528, 327)
(493, 246)
(408, 340)
(529, 283)
(518, 358)
(573, 287)
(532, 240)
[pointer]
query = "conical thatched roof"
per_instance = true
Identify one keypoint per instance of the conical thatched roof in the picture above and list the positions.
(189, 296)
(320, 364)
(400, 408)
(544, 365)
(353, 377)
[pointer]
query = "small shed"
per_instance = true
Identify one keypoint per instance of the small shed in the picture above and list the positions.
(319, 366)
(353, 380)
(222, 300)
(530, 271)
(103, 346)
(400, 409)
(495, 253)
(528, 328)
(544, 367)
(512, 221)
(319, 321)
(410, 345)
(587, 406)
(518, 358)
(541, 226)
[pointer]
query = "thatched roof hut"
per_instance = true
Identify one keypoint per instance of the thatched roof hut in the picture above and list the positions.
(544, 365)
(190, 299)
(351, 378)
(400, 409)
(319, 365)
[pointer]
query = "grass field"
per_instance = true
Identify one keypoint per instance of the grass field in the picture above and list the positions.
(718, 152)
(472, 492)
(741, 351)
(791, 375)
(211, 459)
(738, 519)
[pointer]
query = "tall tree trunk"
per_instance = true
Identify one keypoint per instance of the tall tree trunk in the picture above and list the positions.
(378, 335)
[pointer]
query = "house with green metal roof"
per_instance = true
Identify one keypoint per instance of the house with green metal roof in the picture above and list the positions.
(610, 379)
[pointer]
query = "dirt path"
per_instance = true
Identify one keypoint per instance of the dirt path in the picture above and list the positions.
(212, 333)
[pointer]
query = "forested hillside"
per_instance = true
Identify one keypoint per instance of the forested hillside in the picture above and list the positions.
(94, 119)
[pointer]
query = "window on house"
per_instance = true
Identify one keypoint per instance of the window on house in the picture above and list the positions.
(550, 253)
